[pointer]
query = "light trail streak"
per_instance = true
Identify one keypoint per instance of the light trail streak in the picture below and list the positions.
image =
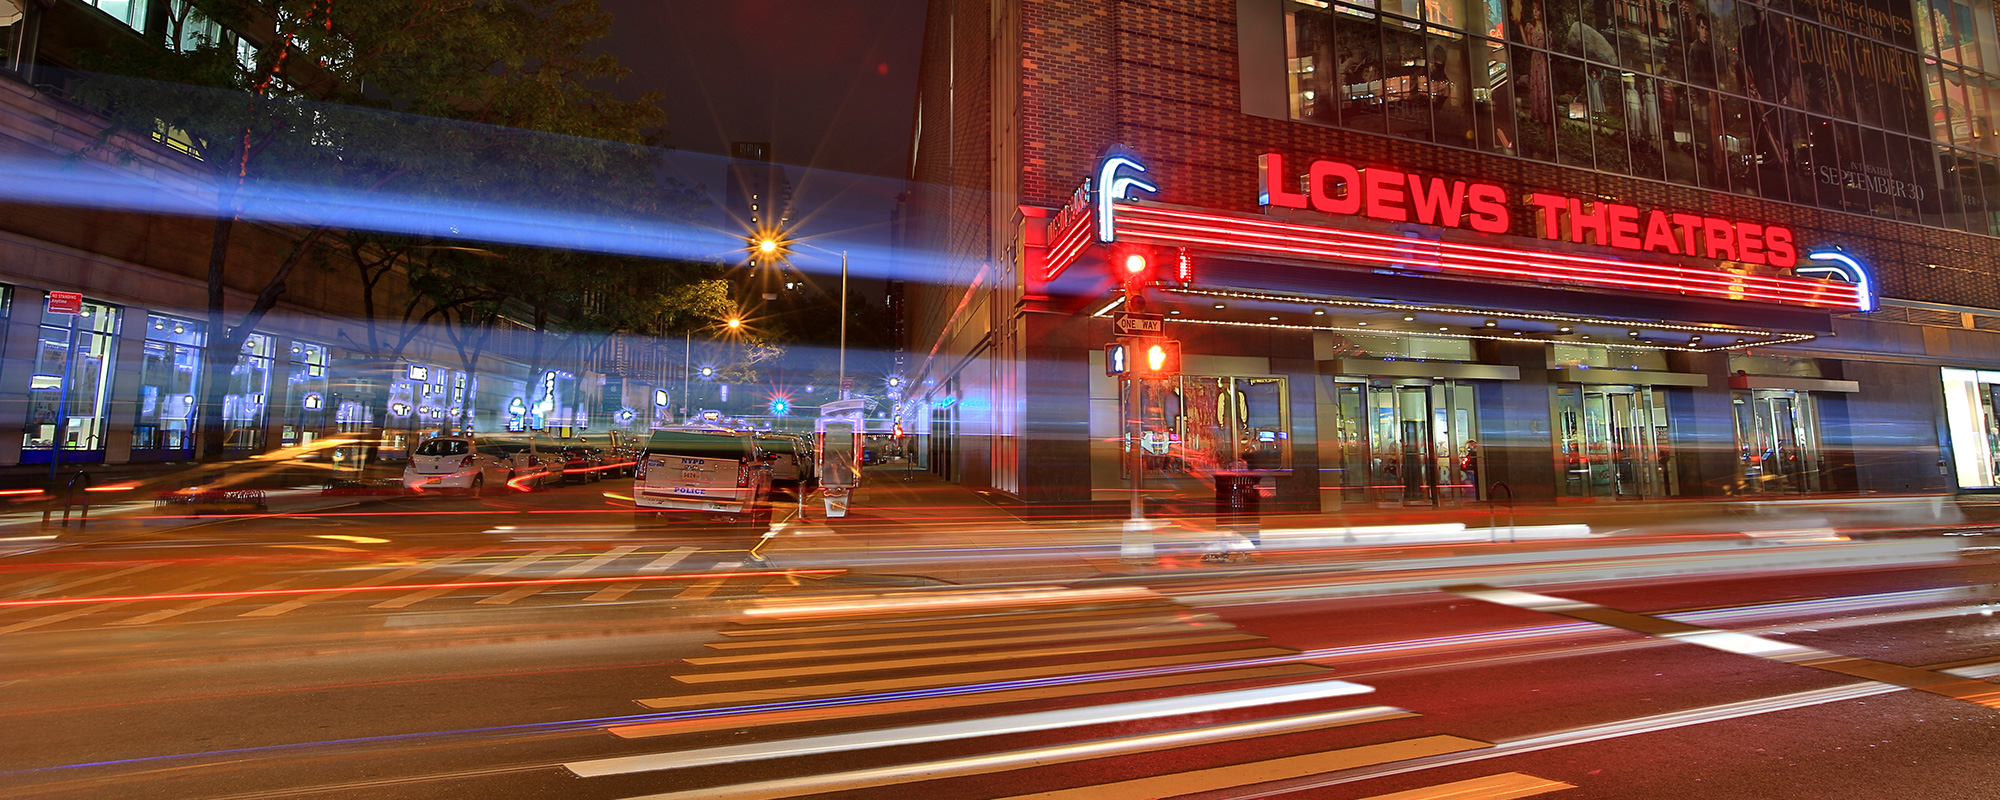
(61, 601)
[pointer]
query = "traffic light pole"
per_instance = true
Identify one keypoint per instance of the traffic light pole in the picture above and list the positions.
(1135, 546)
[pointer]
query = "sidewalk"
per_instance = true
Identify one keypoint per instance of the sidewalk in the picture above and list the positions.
(917, 526)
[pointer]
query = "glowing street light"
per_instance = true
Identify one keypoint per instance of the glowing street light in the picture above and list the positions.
(735, 323)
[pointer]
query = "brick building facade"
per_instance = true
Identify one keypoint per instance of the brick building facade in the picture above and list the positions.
(1020, 100)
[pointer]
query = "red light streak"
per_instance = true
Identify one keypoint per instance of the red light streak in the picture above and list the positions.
(19, 492)
(69, 601)
(1174, 227)
(115, 487)
(515, 482)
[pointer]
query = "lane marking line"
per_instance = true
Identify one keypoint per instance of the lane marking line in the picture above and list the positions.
(969, 630)
(1945, 685)
(1132, 711)
(963, 643)
(748, 628)
(1256, 772)
(1504, 786)
(968, 658)
(754, 720)
(1036, 757)
(898, 605)
(1220, 658)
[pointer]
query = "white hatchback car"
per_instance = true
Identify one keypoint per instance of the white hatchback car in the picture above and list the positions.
(470, 465)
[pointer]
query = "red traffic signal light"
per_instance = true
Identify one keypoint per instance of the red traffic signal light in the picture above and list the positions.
(1152, 358)
(1133, 265)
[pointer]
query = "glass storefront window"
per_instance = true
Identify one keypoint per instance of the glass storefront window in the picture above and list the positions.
(68, 394)
(1972, 418)
(1234, 423)
(249, 394)
(306, 406)
(168, 381)
(1597, 356)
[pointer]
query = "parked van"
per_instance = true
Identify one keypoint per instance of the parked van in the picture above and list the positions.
(714, 471)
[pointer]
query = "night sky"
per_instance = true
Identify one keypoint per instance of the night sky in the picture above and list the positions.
(830, 83)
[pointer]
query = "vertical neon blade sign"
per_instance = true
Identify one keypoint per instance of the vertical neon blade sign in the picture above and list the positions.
(1841, 266)
(1113, 182)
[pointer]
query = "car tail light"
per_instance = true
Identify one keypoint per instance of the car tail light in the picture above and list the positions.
(742, 474)
(465, 462)
(639, 472)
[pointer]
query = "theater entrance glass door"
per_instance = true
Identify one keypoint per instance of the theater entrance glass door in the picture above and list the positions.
(1408, 441)
(1615, 442)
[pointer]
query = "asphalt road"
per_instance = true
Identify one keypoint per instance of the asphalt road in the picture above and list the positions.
(542, 646)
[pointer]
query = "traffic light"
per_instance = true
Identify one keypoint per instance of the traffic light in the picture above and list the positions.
(1133, 265)
(1156, 358)
(1117, 359)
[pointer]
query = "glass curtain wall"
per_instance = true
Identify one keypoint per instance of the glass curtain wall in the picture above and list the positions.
(1887, 108)
(69, 391)
(169, 379)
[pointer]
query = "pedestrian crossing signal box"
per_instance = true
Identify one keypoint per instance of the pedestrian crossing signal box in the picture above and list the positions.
(1142, 357)
(1117, 359)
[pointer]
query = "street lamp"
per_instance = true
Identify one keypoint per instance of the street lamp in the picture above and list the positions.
(735, 323)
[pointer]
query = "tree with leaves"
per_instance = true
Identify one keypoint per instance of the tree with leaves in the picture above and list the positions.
(422, 98)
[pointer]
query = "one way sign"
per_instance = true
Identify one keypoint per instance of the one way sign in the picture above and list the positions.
(1128, 324)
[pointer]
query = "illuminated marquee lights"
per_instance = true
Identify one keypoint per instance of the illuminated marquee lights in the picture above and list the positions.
(1725, 330)
(1157, 224)
(1834, 281)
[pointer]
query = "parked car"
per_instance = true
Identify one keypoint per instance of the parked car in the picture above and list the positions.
(583, 463)
(451, 463)
(529, 466)
(711, 471)
(786, 463)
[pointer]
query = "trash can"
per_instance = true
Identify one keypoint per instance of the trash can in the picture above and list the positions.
(1236, 503)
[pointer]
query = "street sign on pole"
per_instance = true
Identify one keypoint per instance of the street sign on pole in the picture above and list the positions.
(1129, 324)
(846, 384)
(65, 303)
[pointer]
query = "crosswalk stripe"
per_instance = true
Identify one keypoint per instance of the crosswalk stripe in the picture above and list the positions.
(967, 658)
(1277, 769)
(297, 603)
(674, 556)
(1147, 618)
(413, 598)
(755, 720)
(1504, 786)
(98, 578)
(612, 593)
(749, 629)
(1036, 757)
(512, 595)
(84, 610)
(700, 590)
(518, 562)
(1131, 711)
(962, 643)
(164, 614)
(898, 605)
(1220, 658)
